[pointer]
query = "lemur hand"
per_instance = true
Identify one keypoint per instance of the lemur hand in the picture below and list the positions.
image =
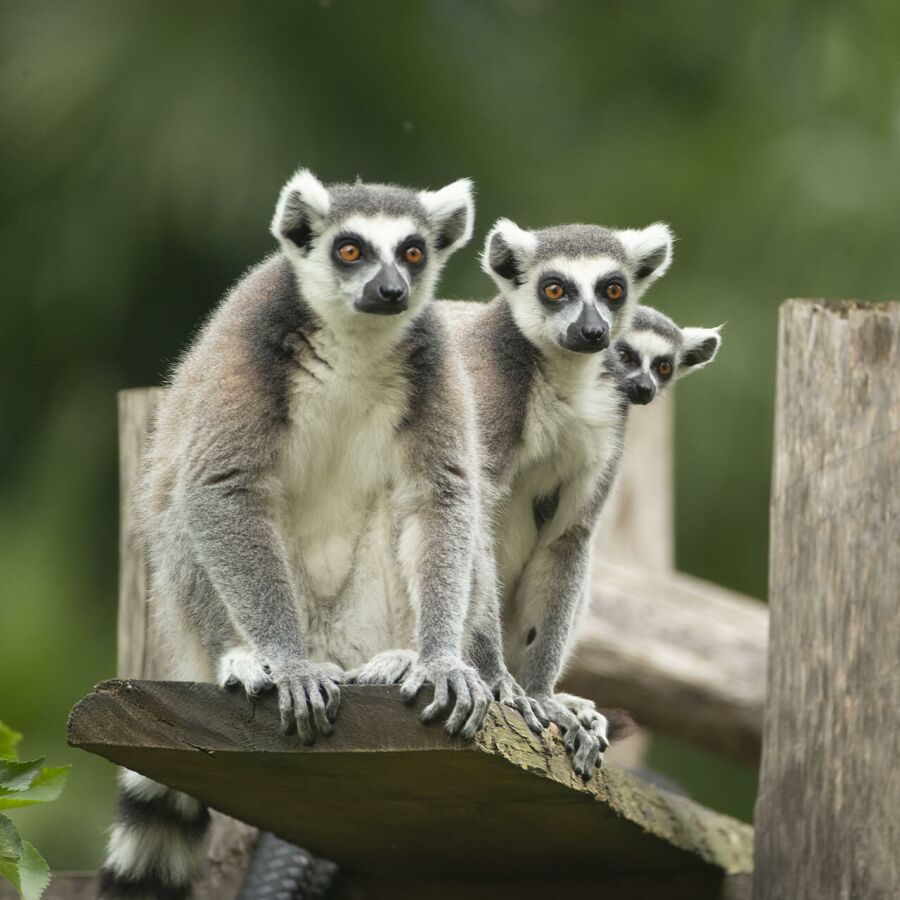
(585, 746)
(242, 668)
(447, 674)
(588, 715)
(510, 693)
(308, 696)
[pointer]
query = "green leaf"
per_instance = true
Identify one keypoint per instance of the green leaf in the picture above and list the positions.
(16, 776)
(9, 740)
(48, 785)
(10, 842)
(21, 864)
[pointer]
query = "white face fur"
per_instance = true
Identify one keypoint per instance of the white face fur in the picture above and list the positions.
(648, 359)
(373, 267)
(573, 289)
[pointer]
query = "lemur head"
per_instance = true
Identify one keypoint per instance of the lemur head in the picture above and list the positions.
(574, 286)
(364, 250)
(654, 352)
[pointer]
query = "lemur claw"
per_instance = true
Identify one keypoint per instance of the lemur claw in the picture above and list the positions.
(472, 696)
(510, 693)
(585, 745)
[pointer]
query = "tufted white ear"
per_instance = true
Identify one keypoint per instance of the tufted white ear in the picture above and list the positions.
(699, 348)
(649, 249)
(451, 211)
(301, 209)
(508, 250)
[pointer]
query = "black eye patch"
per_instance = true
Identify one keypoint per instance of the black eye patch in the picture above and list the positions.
(664, 365)
(365, 248)
(570, 290)
(612, 289)
(627, 356)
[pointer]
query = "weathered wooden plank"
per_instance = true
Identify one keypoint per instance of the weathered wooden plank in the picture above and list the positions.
(387, 794)
(637, 526)
(139, 656)
(685, 657)
(827, 814)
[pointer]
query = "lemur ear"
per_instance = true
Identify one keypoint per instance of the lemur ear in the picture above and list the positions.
(649, 249)
(698, 349)
(508, 250)
(452, 213)
(301, 210)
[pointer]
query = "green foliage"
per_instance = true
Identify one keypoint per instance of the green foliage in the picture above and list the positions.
(24, 783)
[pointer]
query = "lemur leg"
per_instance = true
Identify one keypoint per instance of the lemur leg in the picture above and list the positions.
(388, 667)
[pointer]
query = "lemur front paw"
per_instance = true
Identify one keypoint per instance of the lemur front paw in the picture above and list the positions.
(388, 667)
(588, 716)
(471, 694)
(241, 667)
(583, 745)
(308, 697)
(510, 693)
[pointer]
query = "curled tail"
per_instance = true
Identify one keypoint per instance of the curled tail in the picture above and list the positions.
(157, 843)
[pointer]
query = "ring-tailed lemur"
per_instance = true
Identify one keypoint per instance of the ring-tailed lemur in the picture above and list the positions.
(311, 491)
(551, 430)
(647, 359)
(656, 352)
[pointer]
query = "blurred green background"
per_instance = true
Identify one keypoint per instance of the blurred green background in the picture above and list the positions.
(143, 145)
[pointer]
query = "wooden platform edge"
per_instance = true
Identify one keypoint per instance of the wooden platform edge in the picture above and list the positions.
(201, 718)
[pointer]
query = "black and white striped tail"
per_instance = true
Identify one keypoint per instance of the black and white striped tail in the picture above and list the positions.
(157, 844)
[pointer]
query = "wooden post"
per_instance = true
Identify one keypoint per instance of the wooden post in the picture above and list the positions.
(138, 653)
(827, 820)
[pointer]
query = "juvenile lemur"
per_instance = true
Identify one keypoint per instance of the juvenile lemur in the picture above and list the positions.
(646, 360)
(311, 491)
(551, 423)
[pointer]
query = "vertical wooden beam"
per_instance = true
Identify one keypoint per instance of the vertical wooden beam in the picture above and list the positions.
(637, 525)
(138, 653)
(827, 821)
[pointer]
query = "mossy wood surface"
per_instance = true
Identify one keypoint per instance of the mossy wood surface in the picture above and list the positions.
(387, 794)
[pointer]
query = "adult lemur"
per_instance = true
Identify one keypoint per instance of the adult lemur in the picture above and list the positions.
(311, 492)
(551, 420)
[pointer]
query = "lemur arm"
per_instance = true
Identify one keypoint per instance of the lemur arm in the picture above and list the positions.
(225, 498)
(484, 649)
(554, 585)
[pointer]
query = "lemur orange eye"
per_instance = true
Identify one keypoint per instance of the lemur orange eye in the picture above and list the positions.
(414, 255)
(349, 251)
(665, 368)
(624, 357)
(554, 291)
(614, 291)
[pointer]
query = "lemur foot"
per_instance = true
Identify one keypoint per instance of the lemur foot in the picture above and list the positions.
(583, 745)
(471, 694)
(388, 667)
(240, 667)
(509, 692)
(308, 696)
(588, 716)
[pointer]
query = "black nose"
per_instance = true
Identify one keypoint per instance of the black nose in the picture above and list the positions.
(642, 390)
(392, 292)
(594, 334)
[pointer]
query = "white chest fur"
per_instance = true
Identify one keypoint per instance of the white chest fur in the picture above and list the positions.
(572, 431)
(337, 469)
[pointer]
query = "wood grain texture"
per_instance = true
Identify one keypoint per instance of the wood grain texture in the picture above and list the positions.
(685, 657)
(637, 525)
(827, 815)
(139, 656)
(387, 794)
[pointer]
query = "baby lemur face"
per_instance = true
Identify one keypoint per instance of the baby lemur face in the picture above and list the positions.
(364, 250)
(655, 351)
(574, 287)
